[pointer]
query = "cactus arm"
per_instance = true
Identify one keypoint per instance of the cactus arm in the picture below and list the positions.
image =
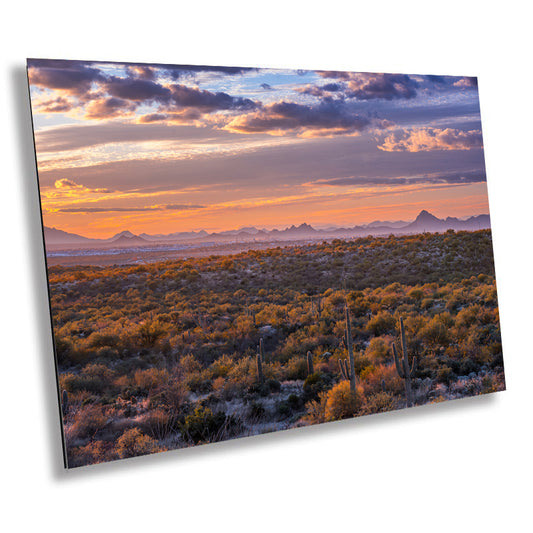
(310, 368)
(404, 342)
(342, 368)
(406, 369)
(350, 349)
(343, 363)
(261, 350)
(402, 366)
(259, 368)
(64, 402)
(399, 368)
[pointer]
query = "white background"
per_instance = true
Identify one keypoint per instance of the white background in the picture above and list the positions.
(464, 466)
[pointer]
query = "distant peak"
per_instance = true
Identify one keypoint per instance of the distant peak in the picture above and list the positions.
(426, 215)
(125, 233)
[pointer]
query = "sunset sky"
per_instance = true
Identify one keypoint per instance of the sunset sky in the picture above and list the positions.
(162, 148)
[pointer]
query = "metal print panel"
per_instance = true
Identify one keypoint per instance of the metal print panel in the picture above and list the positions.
(234, 251)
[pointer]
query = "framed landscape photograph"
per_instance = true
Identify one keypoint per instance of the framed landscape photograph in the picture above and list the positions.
(236, 251)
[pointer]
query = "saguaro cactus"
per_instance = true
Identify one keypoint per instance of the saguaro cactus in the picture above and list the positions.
(261, 350)
(64, 402)
(316, 307)
(402, 366)
(348, 368)
(310, 368)
(259, 368)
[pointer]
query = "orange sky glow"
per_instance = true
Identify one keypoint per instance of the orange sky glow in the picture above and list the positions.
(166, 149)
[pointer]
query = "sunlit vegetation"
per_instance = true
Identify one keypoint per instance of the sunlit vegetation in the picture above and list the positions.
(164, 355)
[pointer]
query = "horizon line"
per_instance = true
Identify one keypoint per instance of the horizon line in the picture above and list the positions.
(279, 228)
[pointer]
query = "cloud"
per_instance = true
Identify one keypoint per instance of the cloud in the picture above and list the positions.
(266, 86)
(368, 86)
(143, 72)
(331, 117)
(151, 127)
(105, 108)
(71, 77)
(455, 178)
(321, 91)
(180, 71)
(68, 185)
(430, 139)
(179, 207)
(138, 90)
(55, 105)
(65, 183)
(185, 96)
(466, 82)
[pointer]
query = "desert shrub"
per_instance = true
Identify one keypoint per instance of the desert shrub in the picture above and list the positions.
(273, 384)
(468, 316)
(221, 367)
(467, 366)
(92, 453)
(158, 424)
(313, 385)
(170, 395)
(316, 410)
(488, 384)
(149, 333)
(378, 349)
(445, 375)
(88, 421)
(98, 370)
(294, 401)
(379, 403)
(341, 402)
(284, 408)
(435, 333)
(218, 384)
(426, 303)
(296, 368)
(416, 294)
(199, 382)
(149, 379)
(381, 324)
(372, 382)
(189, 364)
(78, 382)
(256, 411)
(133, 443)
(99, 340)
(203, 425)
(266, 388)
(243, 373)
(63, 350)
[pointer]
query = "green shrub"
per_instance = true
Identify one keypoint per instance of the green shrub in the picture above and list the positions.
(445, 375)
(203, 425)
(313, 384)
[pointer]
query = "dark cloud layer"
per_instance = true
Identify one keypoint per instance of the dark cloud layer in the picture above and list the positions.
(76, 79)
(328, 117)
(139, 90)
(367, 86)
(184, 96)
(474, 176)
